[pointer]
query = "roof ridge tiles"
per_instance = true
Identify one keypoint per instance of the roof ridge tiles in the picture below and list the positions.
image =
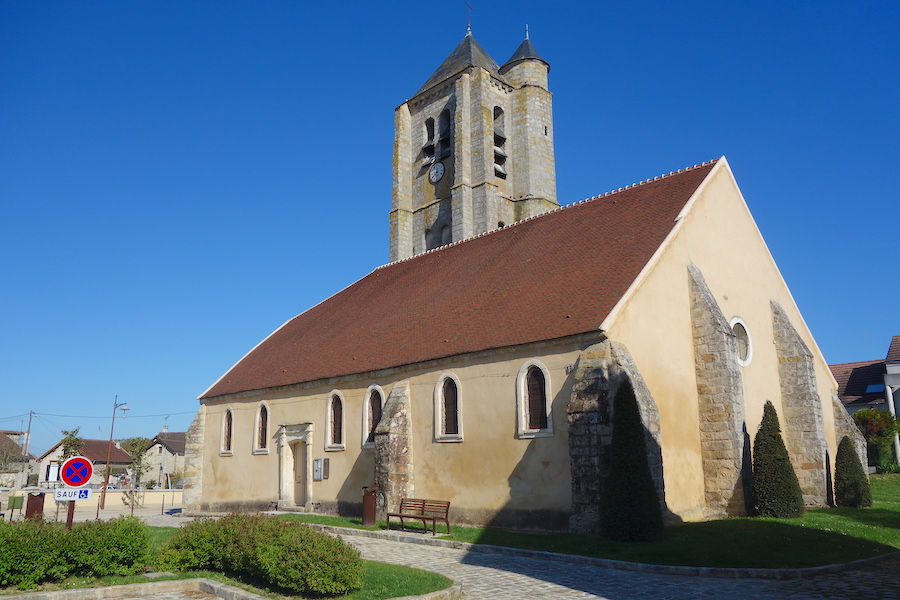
(555, 210)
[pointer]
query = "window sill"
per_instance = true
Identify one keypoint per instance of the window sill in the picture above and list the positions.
(443, 439)
(334, 448)
(537, 433)
(260, 451)
(226, 453)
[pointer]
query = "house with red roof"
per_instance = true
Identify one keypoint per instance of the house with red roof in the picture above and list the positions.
(862, 384)
(480, 364)
(97, 451)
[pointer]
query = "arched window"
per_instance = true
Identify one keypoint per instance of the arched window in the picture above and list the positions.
(335, 420)
(227, 429)
(262, 430)
(372, 415)
(537, 398)
(447, 410)
(533, 401)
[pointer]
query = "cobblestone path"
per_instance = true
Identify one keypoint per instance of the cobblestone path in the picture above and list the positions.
(496, 577)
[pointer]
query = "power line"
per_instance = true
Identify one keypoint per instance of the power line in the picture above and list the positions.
(192, 412)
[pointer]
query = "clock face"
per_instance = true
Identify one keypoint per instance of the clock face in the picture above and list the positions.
(436, 172)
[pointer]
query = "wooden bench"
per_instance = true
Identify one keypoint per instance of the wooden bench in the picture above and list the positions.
(423, 510)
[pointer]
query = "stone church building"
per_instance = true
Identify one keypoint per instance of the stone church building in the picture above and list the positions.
(479, 365)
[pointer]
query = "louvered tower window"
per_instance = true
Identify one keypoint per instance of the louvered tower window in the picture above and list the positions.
(500, 155)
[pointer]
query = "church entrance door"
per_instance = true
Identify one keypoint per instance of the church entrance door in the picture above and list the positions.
(300, 474)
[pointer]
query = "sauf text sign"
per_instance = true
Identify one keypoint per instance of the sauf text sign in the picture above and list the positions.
(63, 495)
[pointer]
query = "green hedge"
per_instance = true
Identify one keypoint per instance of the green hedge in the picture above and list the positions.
(286, 554)
(35, 551)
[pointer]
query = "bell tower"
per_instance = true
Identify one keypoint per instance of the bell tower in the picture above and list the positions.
(473, 149)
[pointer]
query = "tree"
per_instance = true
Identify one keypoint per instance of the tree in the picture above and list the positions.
(879, 428)
(10, 456)
(630, 510)
(72, 445)
(776, 490)
(136, 447)
(851, 486)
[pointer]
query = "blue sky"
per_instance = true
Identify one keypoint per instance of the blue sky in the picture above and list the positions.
(178, 179)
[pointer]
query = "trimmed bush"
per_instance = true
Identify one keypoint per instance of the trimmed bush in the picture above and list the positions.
(851, 485)
(31, 552)
(117, 547)
(34, 551)
(630, 508)
(286, 554)
(302, 559)
(776, 490)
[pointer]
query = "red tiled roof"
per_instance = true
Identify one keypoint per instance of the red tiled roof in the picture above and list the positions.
(893, 355)
(96, 451)
(548, 277)
(853, 379)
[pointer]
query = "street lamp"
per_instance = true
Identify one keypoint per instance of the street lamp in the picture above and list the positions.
(112, 425)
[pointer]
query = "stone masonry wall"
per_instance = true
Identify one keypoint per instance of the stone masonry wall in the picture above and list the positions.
(193, 462)
(802, 407)
(720, 397)
(601, 369)
(394, 475)
(844, 425)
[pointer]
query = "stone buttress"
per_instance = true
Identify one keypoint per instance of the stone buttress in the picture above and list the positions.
(394, 475)
(720, 396)
(601, 369)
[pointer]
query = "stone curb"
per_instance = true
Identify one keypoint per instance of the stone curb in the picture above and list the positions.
(719, 572)
(220, 590)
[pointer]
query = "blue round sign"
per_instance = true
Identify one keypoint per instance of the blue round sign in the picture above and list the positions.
(76, 471)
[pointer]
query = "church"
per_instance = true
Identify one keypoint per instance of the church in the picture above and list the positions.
(480, 364)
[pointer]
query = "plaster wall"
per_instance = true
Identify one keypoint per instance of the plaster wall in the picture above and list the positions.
(527, 476)
(720, 237)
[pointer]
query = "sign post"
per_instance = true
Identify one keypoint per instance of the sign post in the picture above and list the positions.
(76, 472)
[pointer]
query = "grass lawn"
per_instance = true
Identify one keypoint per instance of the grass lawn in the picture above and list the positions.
(822, 536)
(380, 581)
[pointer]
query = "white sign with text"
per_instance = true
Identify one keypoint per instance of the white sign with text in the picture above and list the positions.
(63, 495)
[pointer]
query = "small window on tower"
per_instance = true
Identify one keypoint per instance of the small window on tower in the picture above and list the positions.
(500, 154)
(428, 148)
(444, 135)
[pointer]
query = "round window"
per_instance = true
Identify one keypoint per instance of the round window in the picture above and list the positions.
(742, 341)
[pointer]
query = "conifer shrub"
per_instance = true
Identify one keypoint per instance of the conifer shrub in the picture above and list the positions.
(851, 485)
(776, 490)
(287, 554)
(630, 508)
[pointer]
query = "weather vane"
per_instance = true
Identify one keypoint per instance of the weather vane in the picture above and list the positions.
(469, 18)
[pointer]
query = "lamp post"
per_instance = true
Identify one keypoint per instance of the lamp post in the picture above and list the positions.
(112, 425)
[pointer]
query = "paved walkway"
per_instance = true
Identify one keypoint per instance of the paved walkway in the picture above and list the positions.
(497, 577)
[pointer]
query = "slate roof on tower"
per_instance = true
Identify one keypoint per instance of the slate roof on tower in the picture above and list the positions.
(525, 51)
(548, 277)
(468, 53)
